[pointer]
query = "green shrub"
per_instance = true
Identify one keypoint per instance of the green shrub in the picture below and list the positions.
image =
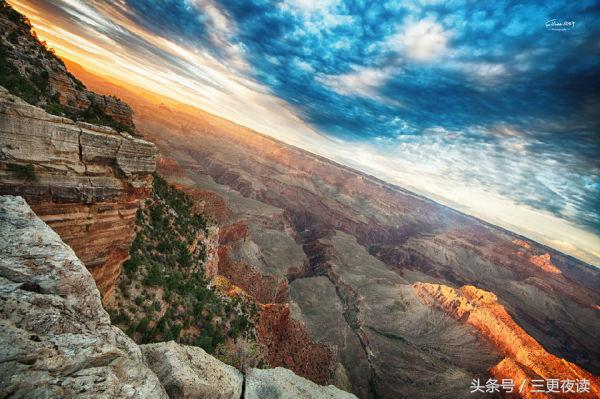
(55, 108)
(160, 259)
(15, 83)
(24, 172)
(13, 36)
(154, 277)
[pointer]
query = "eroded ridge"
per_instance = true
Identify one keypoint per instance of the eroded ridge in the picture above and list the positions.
(524, 358)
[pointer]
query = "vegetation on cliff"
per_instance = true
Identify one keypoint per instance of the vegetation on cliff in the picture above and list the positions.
(164, 293)
(26, 68)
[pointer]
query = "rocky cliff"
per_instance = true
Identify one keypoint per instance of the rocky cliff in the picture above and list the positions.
(85, 181)
(525, 358)
(57, 340)
(31, 70)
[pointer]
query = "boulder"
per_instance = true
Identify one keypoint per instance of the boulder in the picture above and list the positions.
(280, 383)
(189, 372)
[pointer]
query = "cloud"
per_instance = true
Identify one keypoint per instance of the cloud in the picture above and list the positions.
(310, 6)
(361, 81)
(479, 107)
(421, 41)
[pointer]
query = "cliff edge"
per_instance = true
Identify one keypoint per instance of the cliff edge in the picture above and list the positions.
(84, 180)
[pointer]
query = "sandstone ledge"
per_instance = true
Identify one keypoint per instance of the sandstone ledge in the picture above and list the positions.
(87, 181)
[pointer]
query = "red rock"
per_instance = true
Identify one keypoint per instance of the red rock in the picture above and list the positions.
(544, 262)
(526, 358)
(288, 345)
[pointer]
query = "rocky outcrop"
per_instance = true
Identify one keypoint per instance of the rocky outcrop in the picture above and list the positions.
(85, 181)
(525, 357)
(55, 338)
(544, 262)
(45, 80)
(189, 372)
(280, 383)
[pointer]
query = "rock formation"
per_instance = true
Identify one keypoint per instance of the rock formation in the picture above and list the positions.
(56, 340)
(280, 383)
(84, 180)
(37, 75)
(188, 372)
(525, 357)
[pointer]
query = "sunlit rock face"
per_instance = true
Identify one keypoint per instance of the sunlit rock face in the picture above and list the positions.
(525, 357)
(345, 249)
(85, 181)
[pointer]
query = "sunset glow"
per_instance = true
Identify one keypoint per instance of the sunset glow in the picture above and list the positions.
(497, 120)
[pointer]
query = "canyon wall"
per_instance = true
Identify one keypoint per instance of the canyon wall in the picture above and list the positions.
(85, 181)
(525, 358)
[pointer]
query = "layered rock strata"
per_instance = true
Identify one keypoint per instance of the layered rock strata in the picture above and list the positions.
(85, 181)
(525, 358)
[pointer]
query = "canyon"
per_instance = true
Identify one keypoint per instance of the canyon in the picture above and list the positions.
(58, 341)
(337, 252)
(357, 283)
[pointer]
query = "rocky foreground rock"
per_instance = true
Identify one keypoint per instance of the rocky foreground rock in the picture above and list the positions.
(56, 340)
(85, 181)
(189, 372)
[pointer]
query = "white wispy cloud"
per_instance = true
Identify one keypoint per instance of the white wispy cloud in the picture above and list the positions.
(362, 81)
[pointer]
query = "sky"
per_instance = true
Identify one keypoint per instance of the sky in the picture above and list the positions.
(491, 107)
